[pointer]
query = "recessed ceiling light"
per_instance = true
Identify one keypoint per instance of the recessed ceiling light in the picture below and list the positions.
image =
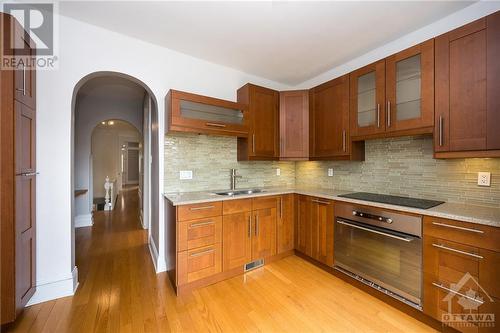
(103, 122)
(111, 122)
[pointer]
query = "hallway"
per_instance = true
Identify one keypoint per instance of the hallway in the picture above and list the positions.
(120, 292)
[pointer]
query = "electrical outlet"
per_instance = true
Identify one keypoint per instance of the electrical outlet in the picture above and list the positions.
(330, 172)
(186, 174)
(484, 178)
(278, 172)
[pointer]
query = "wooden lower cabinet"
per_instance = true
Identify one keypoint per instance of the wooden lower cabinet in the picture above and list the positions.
(237, 240)
(264, 236)
(285, 229)
(314, 237)
(199, 263)
(460, 275)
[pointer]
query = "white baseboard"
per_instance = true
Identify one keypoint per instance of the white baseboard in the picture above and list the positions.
(84, 221)
(158, 261)
(57, 289)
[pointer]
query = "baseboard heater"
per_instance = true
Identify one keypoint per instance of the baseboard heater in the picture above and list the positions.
(254, 264)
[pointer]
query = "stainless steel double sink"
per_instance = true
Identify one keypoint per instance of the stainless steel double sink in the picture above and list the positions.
(240, 192)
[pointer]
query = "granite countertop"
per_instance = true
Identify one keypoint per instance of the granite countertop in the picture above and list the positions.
(455, 211)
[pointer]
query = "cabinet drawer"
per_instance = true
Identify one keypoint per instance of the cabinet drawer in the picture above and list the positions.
(199, 263)
(198, 233)
(462, 232)
(236, 206)
(198, 211)
(265, 202)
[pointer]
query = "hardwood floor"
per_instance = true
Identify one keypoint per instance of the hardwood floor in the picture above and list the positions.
(119, 292)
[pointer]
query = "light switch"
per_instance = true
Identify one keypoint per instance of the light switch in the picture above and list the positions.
(186, 174)
(278, 172)
(330, 172)
(484, 178)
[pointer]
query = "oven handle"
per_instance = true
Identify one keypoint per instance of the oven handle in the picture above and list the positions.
(402, 238)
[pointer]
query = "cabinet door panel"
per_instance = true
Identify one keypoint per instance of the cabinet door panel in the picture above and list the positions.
(330, 119)
(199, 263)
(264, 237)
(237, 240)
(493, 81)
(294, 124)
(322, 231)
(410, 88)
(367, 100)
(24, 76)
(303, 227)
(461, 116)
(286, 225)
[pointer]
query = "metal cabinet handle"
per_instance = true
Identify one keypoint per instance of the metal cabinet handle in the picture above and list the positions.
(281, 207)
(440, 285)
(378, 115)
(29, 174)
(253, 143)
(256, 224)
(457, 227)
(200, 224)
(402, 237)
(24, 81)
(201, 208)
(457, 251)
(388, 113)
(197, 254)
(343, 140)
(215, 125)
(320, 202)
(441, 120)
(249, 226)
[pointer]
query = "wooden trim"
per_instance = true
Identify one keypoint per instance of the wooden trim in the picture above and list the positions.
(468, 154)
(411, 132)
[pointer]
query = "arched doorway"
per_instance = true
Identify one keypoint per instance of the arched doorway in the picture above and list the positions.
(106, 96)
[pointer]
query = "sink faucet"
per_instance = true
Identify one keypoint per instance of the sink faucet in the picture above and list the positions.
(233, 179)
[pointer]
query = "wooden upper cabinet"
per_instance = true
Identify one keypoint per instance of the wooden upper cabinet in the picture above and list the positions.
(467, 117)
(263, 110)
(193, 113)
(367, 100)
(329, 120)
(409, 88)
(294, 125)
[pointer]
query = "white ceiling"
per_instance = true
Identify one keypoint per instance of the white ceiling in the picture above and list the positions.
(288, 42)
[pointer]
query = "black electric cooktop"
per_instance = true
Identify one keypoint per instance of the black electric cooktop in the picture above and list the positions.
(393, 200)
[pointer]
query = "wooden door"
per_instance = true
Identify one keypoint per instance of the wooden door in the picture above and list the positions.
(410, 88)
(263, 108)
(367, 100)
(461, 89)
(303, 227)
(322, 230)
(264, 233)
(329, 119)
(24, 75)
(25, 223)
(294, 124)
(237, 240)
(286, 225)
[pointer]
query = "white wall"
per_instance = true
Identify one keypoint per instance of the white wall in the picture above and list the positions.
(455, 20)
(106, 152)
(85, 49)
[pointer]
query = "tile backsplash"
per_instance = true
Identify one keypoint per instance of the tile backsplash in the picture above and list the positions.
(211, 158)
(405, 166)
(399, 166)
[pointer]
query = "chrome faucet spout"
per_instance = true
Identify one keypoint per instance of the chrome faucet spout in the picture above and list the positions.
(233, 179)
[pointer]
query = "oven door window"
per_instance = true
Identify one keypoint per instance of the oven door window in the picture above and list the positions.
(390, 259)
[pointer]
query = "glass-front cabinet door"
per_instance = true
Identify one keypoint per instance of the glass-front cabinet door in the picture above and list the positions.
(367, 97)
(410, 88)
